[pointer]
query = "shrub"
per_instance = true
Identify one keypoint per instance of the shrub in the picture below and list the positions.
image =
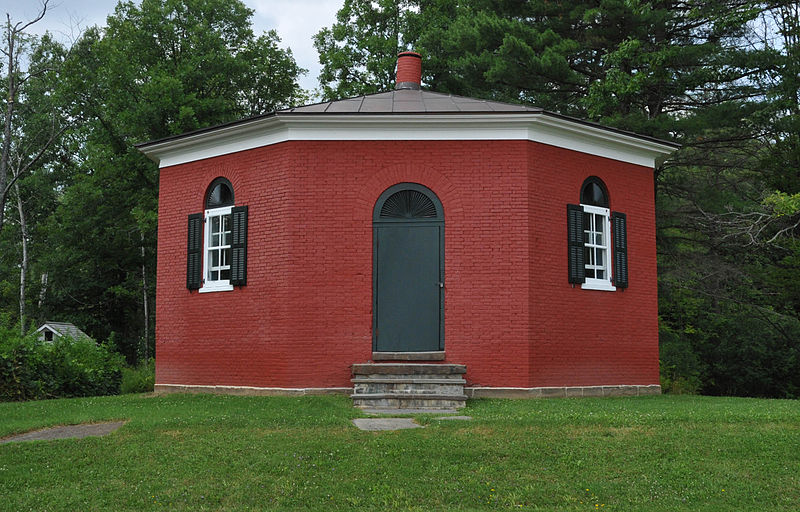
(31, 369)
(22, 375)
(676, 384)
(729, 349)
(681, 369)
(139, 379)
(83, 368)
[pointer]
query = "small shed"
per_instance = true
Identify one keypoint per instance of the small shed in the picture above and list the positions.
(50, 331)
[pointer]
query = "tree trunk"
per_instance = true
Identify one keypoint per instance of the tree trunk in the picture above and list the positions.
(12, 34)
(11, 90)
(42, 294)
(23, 226)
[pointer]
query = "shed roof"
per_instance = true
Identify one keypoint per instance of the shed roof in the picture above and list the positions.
(64, 329)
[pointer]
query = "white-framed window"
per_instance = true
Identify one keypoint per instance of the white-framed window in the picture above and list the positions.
(216, 254)
(597, 241)
(597, 248)
(217, 250)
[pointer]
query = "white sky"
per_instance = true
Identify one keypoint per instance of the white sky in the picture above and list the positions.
(296, 21)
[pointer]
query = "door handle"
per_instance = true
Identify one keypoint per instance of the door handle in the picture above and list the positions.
(441, 284)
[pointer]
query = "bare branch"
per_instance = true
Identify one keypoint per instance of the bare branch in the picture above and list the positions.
(35, 20)
(14, 35)
(16, 176)
(756, 228)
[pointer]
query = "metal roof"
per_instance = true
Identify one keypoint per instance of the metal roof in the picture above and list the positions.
(401, 102)
(408, 101)
(409, 115)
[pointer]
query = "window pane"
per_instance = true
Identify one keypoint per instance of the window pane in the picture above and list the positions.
(218, 241)
(596, 240)
(220, 195)
(593, 194)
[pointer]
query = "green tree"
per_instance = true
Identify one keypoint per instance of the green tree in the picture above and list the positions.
(719, 77)
(22, 149)
(34, 122)
(358, 52)
(727, 239)
(157, 69)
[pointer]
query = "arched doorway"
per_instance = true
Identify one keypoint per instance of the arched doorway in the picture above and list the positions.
(408, 270)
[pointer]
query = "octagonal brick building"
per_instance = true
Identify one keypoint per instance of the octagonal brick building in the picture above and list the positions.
(413, 226)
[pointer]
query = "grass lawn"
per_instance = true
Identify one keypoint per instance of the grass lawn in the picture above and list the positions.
(201, 452)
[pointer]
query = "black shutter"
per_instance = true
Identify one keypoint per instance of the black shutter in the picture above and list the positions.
(194, 252)
(575, 256)
(619, 226)
(239, 246)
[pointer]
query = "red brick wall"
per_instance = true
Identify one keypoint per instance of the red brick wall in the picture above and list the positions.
(306, 313)
(589, 337)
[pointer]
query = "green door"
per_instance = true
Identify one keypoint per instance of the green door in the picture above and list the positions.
(408, 275)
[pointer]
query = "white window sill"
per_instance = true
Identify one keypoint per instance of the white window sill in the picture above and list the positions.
(225, 287)
(598, 284)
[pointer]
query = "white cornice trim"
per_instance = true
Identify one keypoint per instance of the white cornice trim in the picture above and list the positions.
(547, 129)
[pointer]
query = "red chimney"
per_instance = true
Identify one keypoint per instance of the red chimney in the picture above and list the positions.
(409, 70)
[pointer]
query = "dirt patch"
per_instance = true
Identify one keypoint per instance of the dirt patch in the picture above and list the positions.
(67, 432)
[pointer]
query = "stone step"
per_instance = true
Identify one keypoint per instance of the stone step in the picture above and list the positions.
(409, 386)
(400, 379)
(408, 356)
(387, 369)
(404, 401)
(431, 386)
(407, 377)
